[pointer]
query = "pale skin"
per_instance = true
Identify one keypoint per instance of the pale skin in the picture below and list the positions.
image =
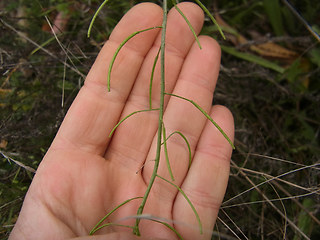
(85, 174)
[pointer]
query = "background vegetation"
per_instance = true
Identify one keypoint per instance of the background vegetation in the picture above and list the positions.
(269, 79)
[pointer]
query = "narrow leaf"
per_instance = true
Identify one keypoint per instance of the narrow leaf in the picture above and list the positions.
(207, 116)
(253, 58)
(273, 10)
(43, 45)
(211, 17)
(95, 16)
(93, 231)
(174, 2)
(112, 211)
(119, 48)
(187, 142)
(125, 118)
(151, 78)
(170, 227)
(166, 152)
(188, 200)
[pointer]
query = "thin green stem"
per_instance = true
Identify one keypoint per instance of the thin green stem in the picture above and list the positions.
(95, 16)
(160, 122)
(187, 142)
(207, 116)
(174, 2)
(119, 48)
(44, 44)
(108, 225)
(170, 227)
(94, 229)
(151, 78)
(166, 152)
(126, 117)
(188, 200)
(211, 17)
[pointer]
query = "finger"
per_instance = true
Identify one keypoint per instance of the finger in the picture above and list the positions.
(179, 40)
(196, 82)
(95, 111)
(133, 137)
(207, 178)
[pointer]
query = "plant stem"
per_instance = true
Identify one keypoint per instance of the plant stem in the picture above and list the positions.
(126, 117)
(160, 122)
(95, 16)
(166, 152)
(188, 200)
(96, 227)
(118, 50)
(207, 116)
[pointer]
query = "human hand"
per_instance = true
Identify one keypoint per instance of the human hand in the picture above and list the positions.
(85, 174)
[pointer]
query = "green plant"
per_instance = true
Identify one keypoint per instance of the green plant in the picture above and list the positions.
(277, 120)
(161, 137)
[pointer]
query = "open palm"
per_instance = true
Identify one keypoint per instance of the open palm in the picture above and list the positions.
(85, 174)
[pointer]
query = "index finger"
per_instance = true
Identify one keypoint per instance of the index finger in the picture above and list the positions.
(95, 112)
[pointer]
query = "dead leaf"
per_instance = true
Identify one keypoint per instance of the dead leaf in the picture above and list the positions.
(3, 144)
(268, 49)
